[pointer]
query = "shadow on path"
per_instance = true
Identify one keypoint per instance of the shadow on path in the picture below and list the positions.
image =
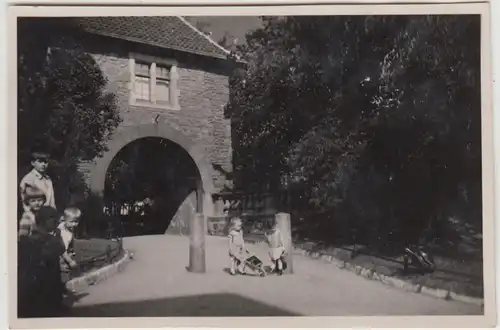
(226, 304)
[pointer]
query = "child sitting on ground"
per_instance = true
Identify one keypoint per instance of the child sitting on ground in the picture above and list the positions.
(277, 248)
(237, 251)
(68, 223)
(34, 199)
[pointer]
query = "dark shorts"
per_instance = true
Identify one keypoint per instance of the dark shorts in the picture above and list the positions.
(65, 276)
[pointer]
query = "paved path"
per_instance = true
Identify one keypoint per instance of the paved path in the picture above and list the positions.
(156, 283)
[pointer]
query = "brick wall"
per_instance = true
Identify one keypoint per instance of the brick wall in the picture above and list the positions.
(203, 92)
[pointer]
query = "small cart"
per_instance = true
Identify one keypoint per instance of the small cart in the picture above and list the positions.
(255, 264)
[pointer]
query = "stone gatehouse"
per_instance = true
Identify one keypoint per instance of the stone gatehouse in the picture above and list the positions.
(171, 82)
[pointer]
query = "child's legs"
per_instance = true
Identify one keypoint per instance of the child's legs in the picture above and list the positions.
(275, 256)
(273, 261)
(237, 264)
(234, 262)
(279, 264)
(241, 266)
(65, 277)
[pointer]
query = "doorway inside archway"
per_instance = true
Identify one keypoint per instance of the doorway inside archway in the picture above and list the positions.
(152, 185)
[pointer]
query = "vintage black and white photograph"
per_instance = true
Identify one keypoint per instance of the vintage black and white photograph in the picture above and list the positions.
(273, 165)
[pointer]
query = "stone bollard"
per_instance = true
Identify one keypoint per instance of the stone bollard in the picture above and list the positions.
(284, 225)
(197, 234)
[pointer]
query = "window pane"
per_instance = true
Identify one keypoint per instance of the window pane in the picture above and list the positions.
(142, 69)
(141, 88)
(162, 91)
(162, 72)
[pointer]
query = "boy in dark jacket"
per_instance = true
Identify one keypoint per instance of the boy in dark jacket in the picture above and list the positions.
(40, 287)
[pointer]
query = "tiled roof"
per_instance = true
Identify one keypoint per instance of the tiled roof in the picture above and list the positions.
(172, 32)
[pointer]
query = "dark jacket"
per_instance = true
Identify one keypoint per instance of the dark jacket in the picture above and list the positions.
(39, 279)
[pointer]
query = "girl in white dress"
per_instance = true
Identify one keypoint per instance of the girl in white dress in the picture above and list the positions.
(237, 251)
(276, 248)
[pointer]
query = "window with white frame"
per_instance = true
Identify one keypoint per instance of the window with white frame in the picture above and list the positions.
(153, 82)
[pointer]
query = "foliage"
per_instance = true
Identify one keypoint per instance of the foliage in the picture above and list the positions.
(203, 27)
(375, 118)
(62, 104)
(227, 41)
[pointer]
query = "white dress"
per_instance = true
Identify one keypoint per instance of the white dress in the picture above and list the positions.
(237, 245)
(276, 245)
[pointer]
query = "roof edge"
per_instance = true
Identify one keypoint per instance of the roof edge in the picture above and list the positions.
(140, 41)
(204, 35)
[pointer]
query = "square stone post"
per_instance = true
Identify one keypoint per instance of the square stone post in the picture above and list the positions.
(197, 232)
(283, 221)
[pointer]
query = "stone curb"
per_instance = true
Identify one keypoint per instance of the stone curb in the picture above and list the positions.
(389, 280)
(100, 274)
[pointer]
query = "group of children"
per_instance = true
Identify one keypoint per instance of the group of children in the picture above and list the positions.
(238, 253)
(45, 240)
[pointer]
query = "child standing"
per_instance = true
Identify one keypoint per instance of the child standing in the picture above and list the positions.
(39, 269)
(277, 248)
(237, 251)
(68, 223)
(39, 178)
(34, 199)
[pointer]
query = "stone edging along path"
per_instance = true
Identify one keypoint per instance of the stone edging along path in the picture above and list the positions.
(100, 274)
(103, 273)
(389, 280)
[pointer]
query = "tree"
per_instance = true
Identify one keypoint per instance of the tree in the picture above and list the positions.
(227, 41)
(203, 27)
(63, 106)
(445, 163)
(299, 74)
(376, 118)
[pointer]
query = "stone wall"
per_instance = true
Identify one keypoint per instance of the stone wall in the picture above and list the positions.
(186, 211)
(203, 88)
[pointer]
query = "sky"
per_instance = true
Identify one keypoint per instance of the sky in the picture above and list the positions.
(233, 26)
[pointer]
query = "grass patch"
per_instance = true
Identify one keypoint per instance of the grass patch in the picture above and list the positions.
(454, 275)
(95, 253)
(461, 275)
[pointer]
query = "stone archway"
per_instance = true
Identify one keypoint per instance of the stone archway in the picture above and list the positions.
(127, 134)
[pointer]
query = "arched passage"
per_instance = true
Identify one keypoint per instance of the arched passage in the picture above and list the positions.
(128, 134)
(152, 185)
